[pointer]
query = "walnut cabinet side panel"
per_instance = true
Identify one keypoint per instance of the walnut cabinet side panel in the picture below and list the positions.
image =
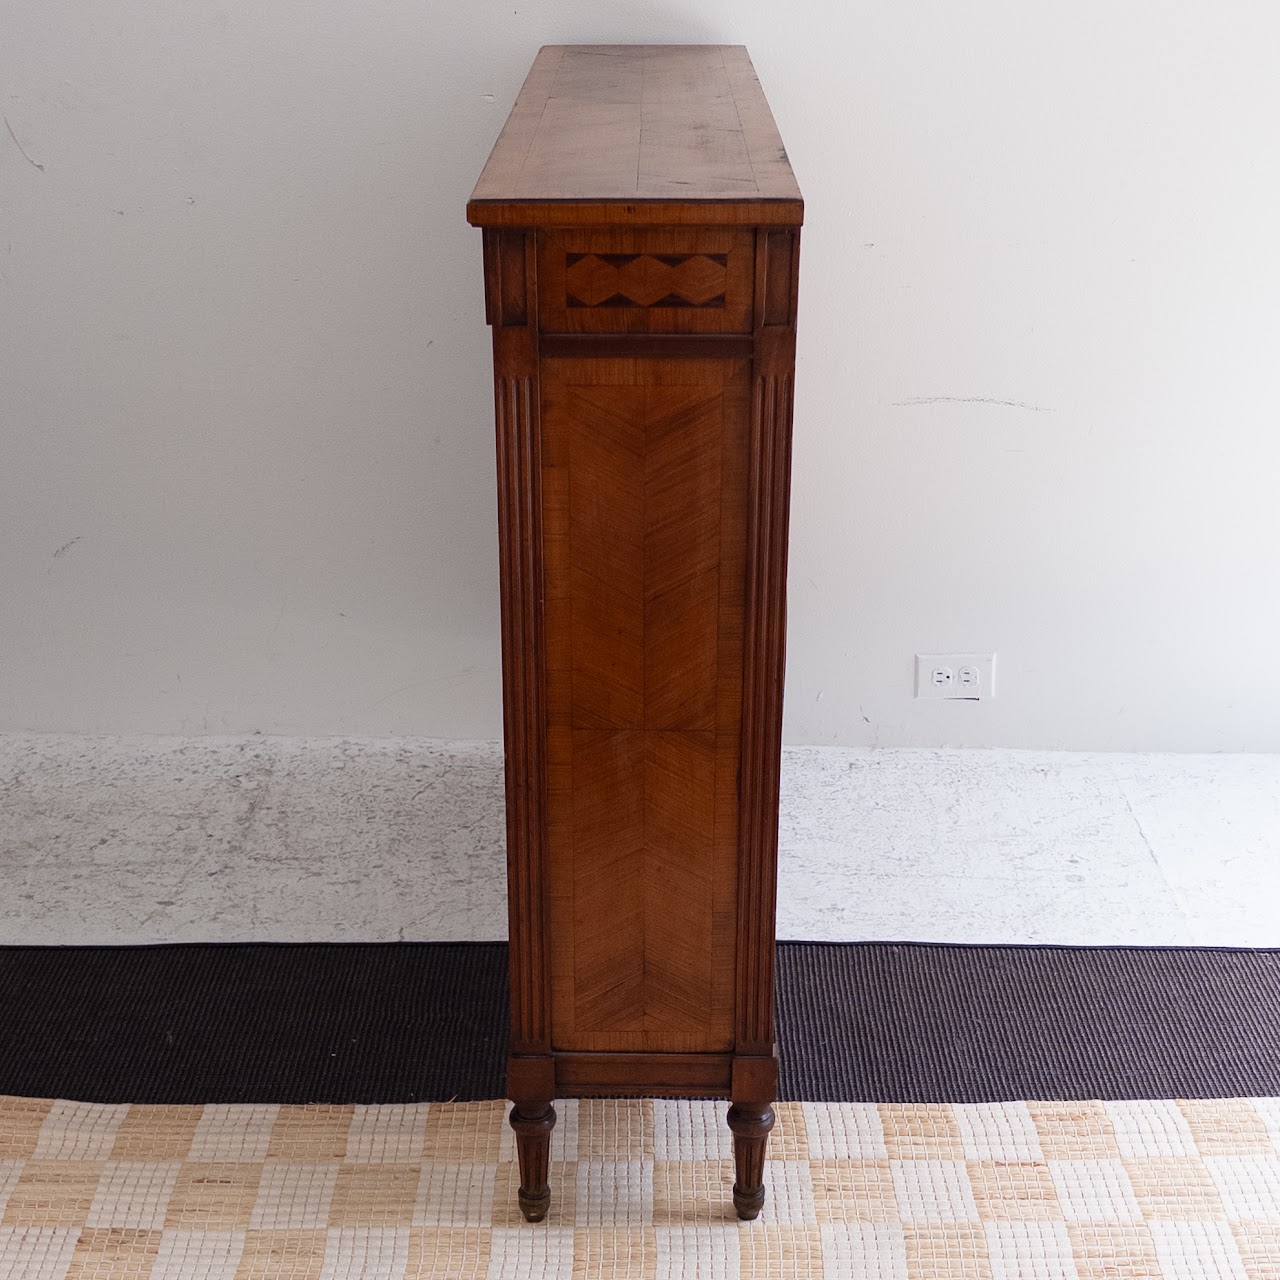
(644, 477)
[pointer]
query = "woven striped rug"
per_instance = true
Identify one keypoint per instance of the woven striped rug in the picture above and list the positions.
(425, 1022)
(1119, 1190)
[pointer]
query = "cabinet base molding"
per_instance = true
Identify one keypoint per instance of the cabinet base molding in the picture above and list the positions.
(644, 1075)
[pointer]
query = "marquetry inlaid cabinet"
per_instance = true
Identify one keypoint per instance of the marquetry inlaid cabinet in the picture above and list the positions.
(641, 252)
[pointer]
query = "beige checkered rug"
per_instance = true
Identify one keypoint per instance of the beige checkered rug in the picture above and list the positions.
(1011, 1191)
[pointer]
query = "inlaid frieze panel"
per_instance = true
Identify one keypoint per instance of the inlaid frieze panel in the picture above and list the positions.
(645, 279)
(679, 280)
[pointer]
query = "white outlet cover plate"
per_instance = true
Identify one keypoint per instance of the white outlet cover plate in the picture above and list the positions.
(972, 676)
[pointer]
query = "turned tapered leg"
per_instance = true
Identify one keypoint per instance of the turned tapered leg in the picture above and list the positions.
(533, 1148)
(750, 1123)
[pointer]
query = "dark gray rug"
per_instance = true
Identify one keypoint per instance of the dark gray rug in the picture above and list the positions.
(407, 1022)
(914, 1022)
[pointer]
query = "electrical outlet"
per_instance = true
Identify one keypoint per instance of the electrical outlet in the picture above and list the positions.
(970, 676)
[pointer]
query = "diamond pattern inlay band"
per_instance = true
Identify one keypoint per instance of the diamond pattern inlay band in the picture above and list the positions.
(645, 280)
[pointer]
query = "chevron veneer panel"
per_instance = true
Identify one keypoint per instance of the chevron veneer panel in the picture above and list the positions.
(644, 610)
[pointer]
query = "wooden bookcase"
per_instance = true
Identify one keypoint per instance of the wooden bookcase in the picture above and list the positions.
(641, 254)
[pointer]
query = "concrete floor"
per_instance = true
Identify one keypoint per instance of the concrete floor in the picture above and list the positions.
(120, 840)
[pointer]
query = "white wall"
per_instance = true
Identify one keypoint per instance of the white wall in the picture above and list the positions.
(246, 468)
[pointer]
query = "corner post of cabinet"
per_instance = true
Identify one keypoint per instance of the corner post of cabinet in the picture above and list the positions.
(510, 267)
(755, 1068)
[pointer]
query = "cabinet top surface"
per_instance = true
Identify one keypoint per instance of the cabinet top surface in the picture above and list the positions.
(639, 134)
